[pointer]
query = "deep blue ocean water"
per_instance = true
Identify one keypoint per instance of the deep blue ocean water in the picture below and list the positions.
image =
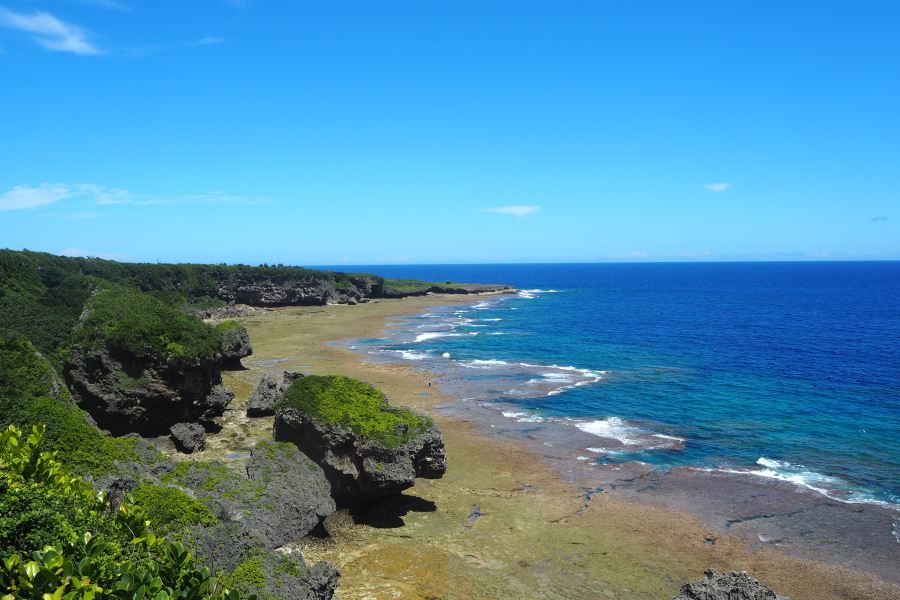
(783, 370)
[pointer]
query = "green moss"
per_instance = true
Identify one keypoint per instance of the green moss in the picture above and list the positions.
(211, 479)
(248, 577)
(130, 383)
(341, 400)
(145, 327)
(170, 508)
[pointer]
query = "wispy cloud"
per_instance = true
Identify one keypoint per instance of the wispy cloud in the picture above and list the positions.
(208, 40)
(30, 197)
(49, 31)
(24, 197)
(879, 218)
(79, 253)
(516, 211)
(716, 188)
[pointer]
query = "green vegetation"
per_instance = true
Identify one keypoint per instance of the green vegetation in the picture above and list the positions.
(170, 508)
(213, 479)
(262, 571)
(341, 400)
(226, 326)
(408, 286)
(145, 327)
(27, 382)
(60, 540)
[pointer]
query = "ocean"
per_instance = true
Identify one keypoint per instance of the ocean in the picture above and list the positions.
(786, 371)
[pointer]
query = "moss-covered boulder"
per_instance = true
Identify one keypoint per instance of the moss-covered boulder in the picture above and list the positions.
(139, 365)
(366, 447)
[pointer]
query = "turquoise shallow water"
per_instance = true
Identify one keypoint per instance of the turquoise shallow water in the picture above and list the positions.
(782, 370)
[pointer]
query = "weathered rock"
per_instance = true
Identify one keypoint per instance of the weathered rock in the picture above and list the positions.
(357, 467)
(235, 346)
(126, 394)
(188, 437)
(268, 393)
(727, 586)
(262, 402)
(294, 486)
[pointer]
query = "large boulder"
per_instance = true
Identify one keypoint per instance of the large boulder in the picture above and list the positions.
(295, 486)
(727, 586)
(366, 448)
(235, 343)
(188, 437)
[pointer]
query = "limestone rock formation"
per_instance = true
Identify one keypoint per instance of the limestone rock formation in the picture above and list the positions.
(357, 467)
(727, 586)
(235, 344)
(188, 437)
(267, 393)
(125, 394)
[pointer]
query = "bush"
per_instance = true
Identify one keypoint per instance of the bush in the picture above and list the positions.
(340, 400)
(26, 381)
(145, 327)
(59, 539)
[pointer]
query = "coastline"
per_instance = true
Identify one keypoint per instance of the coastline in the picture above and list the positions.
(505, 522)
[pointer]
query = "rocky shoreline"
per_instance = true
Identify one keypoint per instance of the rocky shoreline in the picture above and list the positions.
(566, 511)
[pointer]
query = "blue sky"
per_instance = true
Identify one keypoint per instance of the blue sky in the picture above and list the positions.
(392, 132)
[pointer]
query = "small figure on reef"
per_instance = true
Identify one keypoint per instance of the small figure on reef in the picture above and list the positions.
(429, 384)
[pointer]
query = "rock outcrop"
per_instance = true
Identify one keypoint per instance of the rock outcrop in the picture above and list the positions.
(235, 344)
(267, 393)
(310, 290)
(188, 437)
(727, 586)
(127, 394)
(356, 467)
(295, 486)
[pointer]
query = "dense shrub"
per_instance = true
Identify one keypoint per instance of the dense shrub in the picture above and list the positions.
(59, 539)
(26, 381)
(340, 400)
(145, 327)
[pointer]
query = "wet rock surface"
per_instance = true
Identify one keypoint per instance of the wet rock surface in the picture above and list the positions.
(727, 586)
(358, 468)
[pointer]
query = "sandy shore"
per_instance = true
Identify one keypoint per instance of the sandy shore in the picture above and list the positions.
(503, 523)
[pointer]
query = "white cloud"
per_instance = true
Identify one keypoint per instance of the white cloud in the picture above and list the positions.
(716, 188)
(79, 253)
(48, 31)
(208, 40)
(23, 197)
(29, 197)
(516, 211)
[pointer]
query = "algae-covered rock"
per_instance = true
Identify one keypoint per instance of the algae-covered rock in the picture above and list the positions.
(727, 586)
(366, 447)
(296, 496)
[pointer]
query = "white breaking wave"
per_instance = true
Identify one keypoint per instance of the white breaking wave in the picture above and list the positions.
(411, 355)
(430, 335)
(612, 428)
(800, 476)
